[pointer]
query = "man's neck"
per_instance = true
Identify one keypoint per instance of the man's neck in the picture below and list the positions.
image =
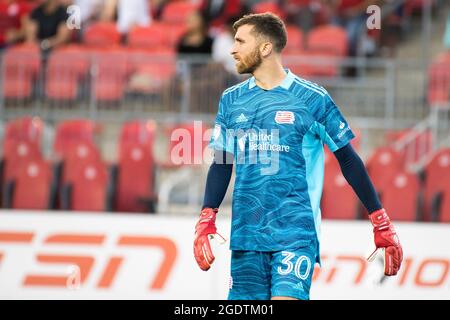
(50, 6)
(269, 76)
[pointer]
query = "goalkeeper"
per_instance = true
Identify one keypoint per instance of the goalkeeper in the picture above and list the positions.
(272, 128)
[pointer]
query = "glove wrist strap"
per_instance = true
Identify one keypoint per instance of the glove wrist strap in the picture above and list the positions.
(380, 220)
(208, 215)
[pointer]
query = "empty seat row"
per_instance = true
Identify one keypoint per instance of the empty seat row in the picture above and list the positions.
(77, 178)
(64, 81)
(407, 196)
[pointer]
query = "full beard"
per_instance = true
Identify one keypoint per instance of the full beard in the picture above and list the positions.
(249, 64)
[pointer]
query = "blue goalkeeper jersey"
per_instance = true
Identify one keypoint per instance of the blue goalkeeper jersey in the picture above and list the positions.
(277, 137)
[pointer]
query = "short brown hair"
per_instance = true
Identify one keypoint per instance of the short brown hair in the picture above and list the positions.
(268, 25)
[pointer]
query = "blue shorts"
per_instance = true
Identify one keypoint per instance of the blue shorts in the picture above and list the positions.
(257, 275)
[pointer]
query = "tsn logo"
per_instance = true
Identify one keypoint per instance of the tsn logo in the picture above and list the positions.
(417, 272)
(80, 267)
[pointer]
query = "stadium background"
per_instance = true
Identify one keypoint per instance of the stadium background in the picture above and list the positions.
(103, 146)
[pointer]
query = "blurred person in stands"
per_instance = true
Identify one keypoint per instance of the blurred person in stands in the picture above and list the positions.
(157, 7)
(271, 128)
(12, 17)
(196, 46)
(129, 13)
(351, 15)
(218, 12)
(221, 43)
(91, 11)
(196, 39)
(301, 12)
(46, 25)
(392, 29)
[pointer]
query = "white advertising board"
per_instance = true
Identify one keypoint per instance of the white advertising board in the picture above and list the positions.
(66, 255)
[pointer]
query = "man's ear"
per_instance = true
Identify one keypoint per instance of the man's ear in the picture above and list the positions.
(266, 49)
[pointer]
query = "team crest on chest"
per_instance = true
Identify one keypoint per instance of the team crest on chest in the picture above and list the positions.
(284, 117)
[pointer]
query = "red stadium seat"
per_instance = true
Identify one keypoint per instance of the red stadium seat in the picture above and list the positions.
(328, 39)
(70, 133)
(75, 158)
(338, 199)
(383, 165)
(400, 197)
(148, 37)
(135, 187)
(77, 155)
(152, 70)
(141, 132)
(31, 185)
(187, 143)
(62, 80)
(19, 157)
(269, 6)
(26, 129)
(295, 38)
(21, 65)
(88, 189)
(444, 212)
(438, 96)
(102, 35)
(22, 141)
(309, 64)
(112, 71)
(439, 81)
(157, 35)
(135, 179)
(176, 12)
(437, 179)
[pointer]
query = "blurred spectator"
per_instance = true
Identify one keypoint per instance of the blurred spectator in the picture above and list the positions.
(217, 12)
(251, 3)
(391, 32)
(221, 47)
(224, 62)
(129, 13)
(12, 16)
(91, 10)
(157, 7)
(273, 6)
(351, 14)
(46, 25)
(196, 39)
(301, 13)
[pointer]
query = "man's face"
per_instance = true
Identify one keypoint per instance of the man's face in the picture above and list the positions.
(245, 50)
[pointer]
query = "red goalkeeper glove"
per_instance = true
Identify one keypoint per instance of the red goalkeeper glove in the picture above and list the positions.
(386, 238)
(205, 229)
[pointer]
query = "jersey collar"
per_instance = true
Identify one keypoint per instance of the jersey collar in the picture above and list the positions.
(286, 84)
